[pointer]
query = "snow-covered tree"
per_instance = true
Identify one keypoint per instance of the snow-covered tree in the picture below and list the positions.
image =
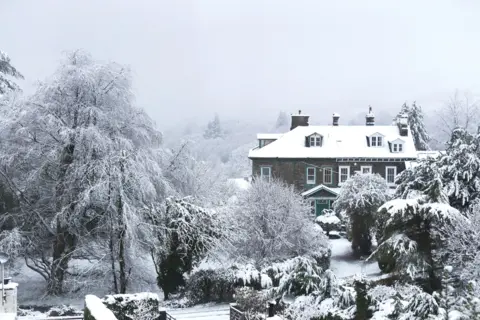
(417, 127)
(359, 199)
(462, 111)
(282, 122)
(6, 71)
(186, 232)
(404, 111)
(84, 163)
(214, 129)
(414, 115)
(273, 223)
(412, 235)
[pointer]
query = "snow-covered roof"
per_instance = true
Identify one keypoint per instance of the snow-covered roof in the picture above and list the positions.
(338, 142)
(321, 187)
(269, 136)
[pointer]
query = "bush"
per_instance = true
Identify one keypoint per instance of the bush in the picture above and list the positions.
(96, 310)
(133, 306)
(252, 302)
(328, 221)
(210, 285)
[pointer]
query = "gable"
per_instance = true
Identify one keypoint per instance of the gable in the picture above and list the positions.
(323, 193)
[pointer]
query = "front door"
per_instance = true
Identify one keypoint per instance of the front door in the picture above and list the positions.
(321, 204)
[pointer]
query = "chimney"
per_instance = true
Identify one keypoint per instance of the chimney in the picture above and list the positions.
(370, 117)
(403, 125)
(299, 120)
(336, 117)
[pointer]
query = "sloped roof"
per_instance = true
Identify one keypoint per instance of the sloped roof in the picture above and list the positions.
(338, 142)
(311, 191)
(269, 136)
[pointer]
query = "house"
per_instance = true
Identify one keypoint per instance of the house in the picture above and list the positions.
(318, 159)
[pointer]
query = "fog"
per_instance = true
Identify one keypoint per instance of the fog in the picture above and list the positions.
(249, 59)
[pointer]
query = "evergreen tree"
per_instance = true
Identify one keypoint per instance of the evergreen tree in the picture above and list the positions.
(359, 198)
(413, 234)
(417, 127)
(404, 111)
(282, 120)
(214, 129)
(6, 69)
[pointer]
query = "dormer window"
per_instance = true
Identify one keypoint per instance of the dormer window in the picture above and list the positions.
(397, 147)
(315, 140)
(376, 141)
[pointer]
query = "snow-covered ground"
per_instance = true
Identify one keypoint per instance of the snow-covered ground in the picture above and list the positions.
(345, 265)
(203, 312)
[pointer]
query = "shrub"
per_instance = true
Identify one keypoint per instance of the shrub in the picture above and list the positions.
(301, 276)
(328, 221)
(133, 306)
(252, 302)
(210, 285)
(96, 310)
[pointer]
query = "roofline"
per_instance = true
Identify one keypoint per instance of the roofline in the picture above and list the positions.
(318, 188)
(342, 159)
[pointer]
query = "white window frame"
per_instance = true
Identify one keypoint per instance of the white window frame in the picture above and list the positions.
(266, 177)
(370, 170)
(377, 138)
(396, 147)
(316, 139)
(330, 175)
(314, 175)
(394, 175)
(340, 182)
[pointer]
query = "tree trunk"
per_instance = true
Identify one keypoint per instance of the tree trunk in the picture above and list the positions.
(63, 246)
(114, 271)
(121, 263)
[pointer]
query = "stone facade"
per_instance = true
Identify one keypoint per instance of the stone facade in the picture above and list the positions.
(293, 171)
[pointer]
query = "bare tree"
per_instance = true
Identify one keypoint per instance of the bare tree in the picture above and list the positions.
(462, 110)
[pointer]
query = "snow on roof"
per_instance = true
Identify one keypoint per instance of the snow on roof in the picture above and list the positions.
(269, 136)
(320, 187)
(338, 142)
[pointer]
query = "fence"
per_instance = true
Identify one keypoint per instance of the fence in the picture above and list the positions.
(236, 314)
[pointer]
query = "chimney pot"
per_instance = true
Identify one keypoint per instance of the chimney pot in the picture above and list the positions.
(370, 117)
(335, 117)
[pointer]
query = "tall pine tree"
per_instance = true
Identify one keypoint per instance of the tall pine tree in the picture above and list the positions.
(6, 71)
(414, 114)
(214, 129)
(417, 127)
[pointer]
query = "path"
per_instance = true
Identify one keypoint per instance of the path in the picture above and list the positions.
(345, 265)
(211, 312)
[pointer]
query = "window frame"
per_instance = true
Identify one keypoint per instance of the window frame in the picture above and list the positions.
(324, 175)
(340, 182)
(366, 167)
(397, 147)
(394, 175)
(378, 141)
(314, 181)
(315, 138)
(266, 177)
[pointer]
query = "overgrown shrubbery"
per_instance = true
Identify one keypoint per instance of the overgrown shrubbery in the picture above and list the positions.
(133, 306)
(211, 285)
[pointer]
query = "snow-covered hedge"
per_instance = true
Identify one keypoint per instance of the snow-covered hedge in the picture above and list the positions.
(96, 310)
(329, 221)
(142, 305)
(211, 285)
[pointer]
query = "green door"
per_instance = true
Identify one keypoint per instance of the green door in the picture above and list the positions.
(320, 205)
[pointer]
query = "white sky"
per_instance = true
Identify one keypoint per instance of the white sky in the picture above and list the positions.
(244, 58)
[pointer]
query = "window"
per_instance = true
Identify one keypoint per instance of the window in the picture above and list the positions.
(390, 174)
(366, 169)
(315, 140)
(376, 141)
(311, 175)
(313, 207)
(397, 147)
(343, 174)
(327, 176)
(265, 173)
